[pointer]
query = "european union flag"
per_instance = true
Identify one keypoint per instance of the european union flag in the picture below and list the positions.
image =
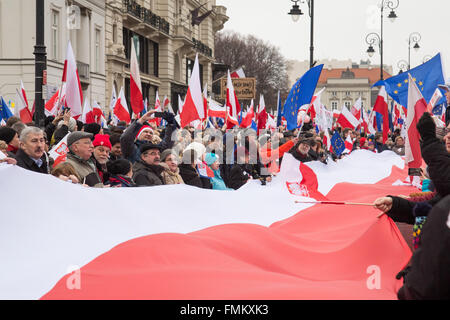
(5, 112)
(301, 94)
(337, 143)
(427, 77)
(439, 110)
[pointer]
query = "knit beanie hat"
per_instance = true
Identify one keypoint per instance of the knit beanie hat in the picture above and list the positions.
(102, 140)
(210, 158)
(7, 134)
(93, 128)
(120, 166)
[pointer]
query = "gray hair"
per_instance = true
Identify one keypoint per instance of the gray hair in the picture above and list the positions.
(18, 127)
(30, 130)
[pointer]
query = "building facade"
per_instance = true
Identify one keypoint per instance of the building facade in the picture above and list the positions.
(168, 34)
(81, 22)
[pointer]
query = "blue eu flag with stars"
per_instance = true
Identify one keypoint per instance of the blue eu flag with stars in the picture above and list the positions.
(427, 76)
(337, 143)
(301, 94)
(5, 113)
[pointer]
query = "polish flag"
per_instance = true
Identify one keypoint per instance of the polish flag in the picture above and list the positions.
(97, 111)
(356, 109)
(59, 151)
(316, 105)
(193, 108)
(381, 106)
(231, 121)
(416, 106)
(121, 108)
(88, 115)
(217, 110)
(21, 110)
(112, 102)
(348, 144)
(327, 140)
(51, 107)
(347, 120)
(232, 100)
(372, 126)
(261, 115)
(205, 101)
(158, 108)
(136, 100)
(247, 120)
(365, 120)
(239, 73)
(396, 114)
(73, 92)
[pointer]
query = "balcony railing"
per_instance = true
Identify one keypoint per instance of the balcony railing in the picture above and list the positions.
(147, 16)
(202, 48)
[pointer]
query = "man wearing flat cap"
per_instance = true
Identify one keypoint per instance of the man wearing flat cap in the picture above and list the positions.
(147, 171)
(80, 157)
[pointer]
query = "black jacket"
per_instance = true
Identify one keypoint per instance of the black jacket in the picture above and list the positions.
(24, 161)
(191, 177)
(300, 157)
(239, 175)
(428, 276)
(146, 175)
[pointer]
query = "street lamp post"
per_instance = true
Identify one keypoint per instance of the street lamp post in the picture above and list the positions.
(377, 39)
(295, 14)
(40, 59)
(426, 58)
(402, 64)
(413, 37)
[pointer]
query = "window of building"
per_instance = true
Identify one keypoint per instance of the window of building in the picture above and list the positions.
(55, 34)
(147, 51)
(334, 105)
(348, 104)
(347, 93)
(334, 93)
(98, 68)
(114, 33)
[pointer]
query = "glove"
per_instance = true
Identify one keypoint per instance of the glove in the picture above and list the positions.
(426, 126)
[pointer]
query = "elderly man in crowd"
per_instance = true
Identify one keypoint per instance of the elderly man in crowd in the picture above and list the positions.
(80, 157)
(31, 154)
(147, 171)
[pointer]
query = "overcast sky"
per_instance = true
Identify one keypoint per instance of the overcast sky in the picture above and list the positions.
(340, 28)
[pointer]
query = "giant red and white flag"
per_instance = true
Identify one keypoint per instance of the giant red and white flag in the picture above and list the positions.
(73, 91)
(381, 106)
(121, 108)
(347, 120)
(416, 108)
(136, 99)
(193, 108)
(22, 110)
(286, 251)
(232, 100)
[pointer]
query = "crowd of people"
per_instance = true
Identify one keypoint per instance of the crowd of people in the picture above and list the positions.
(145, 154)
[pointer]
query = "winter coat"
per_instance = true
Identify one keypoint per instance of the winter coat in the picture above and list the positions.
(86, 170)
(120, 181)
(170, 177)
(146, 175)
(191, 177)
(217, 181)
(239, 175)
(428, 276)
(24, 161)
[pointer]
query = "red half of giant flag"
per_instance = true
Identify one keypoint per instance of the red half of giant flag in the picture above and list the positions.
(193, 108)
(121, 108)
(347, 120)
(74, 93)
(416, 108)
(381, 106)
(136, 99)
